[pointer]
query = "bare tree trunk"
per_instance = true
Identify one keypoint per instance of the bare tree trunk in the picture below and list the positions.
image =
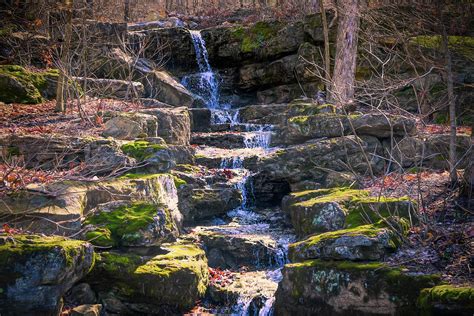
(327, 57)
(62, 80)
(126, 14)
(346, 52)
(452, 108)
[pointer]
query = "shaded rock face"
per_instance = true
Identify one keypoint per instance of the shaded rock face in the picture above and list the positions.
(126, 224)
(37, 271)
(430, 151)
(342, 288)
(200, 204)
(111, 88)
(166, 283)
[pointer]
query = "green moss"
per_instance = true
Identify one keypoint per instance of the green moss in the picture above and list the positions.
(113, 262)
(7, 30)
(122, 224)
(32, 84)
(29, 244)
(13, 151)
(463, 45)
(188, 168)
(141, 150)
(256, 36)
(100, 237)
(178, 182)
(447, 295)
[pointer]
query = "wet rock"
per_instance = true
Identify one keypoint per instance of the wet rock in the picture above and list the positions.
(220, 140)
(323, 210)
(173, 280)
(363, 243)
(111, 88)
(129, 126)
(87, 310)
(341, 288)
(82, 294)
(200, 120)
(126, 224)
(447, 300)
(199, 204)
(228, 251)
(174, 125)
(18, 85)
(37, 271)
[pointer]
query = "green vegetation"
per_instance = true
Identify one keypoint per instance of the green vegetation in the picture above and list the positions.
(18, 85)
(141, 150)
(25, 245)
(447, 295)
(121, 225)
(256, 36)
(463, 45)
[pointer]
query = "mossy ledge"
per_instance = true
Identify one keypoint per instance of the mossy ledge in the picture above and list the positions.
(449, 296)
(142, 150)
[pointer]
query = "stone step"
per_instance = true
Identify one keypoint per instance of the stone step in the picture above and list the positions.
(232, 140)
(215, 157)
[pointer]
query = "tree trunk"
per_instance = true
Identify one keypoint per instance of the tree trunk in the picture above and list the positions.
(452, 108)
(126, 14)
(62, 80)
(342, 91)
(327, 57)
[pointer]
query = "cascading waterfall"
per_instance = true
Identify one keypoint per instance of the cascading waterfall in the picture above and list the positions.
(206, 85)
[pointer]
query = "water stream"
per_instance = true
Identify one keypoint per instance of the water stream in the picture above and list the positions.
(205, 84)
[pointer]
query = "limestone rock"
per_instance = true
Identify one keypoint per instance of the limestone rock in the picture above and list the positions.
(130, 126)
(126, 224)
(199, 204)
(174, 279)
(174, 125)
(447, 300)
(37, 271)
(318, 287)
(323, 210)
(287, 93)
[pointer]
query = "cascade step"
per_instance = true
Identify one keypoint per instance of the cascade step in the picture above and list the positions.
(215, 157)
(232, 140)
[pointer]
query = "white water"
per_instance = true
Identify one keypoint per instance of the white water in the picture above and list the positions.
(206, 85)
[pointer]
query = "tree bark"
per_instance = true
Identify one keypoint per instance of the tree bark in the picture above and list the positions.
(126, 14)
(62, 80)
(327, 57)
(342, 91)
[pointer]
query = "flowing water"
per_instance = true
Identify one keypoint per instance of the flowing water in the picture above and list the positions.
(247, 220)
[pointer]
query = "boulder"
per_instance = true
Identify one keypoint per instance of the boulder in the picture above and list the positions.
(174, 125)
(167, 283)
(324, 210)
(127, 126)
(363, 243)
(157, 157)
(317, 287)
(127, 224)
(36, 272)
(200, 120)
(200, 204)
(81, 294)
(111, 88)
(18, 85)
(303, 128)
(447, 300)
(264, 114)
(68, 201)
(229, 251)
(277, 171)
(51, 152)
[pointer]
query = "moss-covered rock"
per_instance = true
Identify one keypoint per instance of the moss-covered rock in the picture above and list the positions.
(447, 300)
(318, 211)
(343, 288)
(18, 85)
(36, 271)
(174, 279)
(367, 242)
(123, 223)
